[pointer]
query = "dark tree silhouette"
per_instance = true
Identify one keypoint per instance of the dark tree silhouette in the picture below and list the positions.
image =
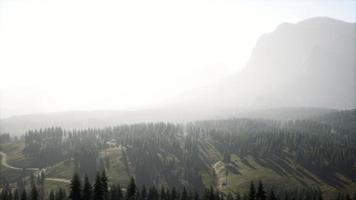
(75, 188)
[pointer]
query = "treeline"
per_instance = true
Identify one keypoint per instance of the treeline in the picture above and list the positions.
(100, 190)
(49, 146)
(175, 153)
(313, 144)
(150, 151)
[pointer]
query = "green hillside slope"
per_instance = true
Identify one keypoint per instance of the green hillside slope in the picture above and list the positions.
(225, 154)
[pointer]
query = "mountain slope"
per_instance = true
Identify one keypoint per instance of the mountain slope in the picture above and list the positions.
(226, 154)
(308, 64)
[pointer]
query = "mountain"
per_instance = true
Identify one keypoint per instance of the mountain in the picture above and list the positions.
(308, 64)
(298, 68)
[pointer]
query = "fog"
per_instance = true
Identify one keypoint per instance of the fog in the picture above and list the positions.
(62, 55)
(177, 100)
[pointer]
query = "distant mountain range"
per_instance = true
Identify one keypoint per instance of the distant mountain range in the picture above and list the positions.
(310, 64)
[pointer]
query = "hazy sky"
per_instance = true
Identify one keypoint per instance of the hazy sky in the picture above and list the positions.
(58, 55)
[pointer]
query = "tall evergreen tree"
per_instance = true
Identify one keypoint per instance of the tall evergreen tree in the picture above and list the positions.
(51, 195)
(34, 193)
(261, 194)
(152, 193)
(131, 190)
(23, 195)
(163, 194)
(252, 192)
(60, 194)
(184, 195)
(120, 196)
(16, 195)
(8, 195)
(320, 196)
(272, 196)
(206, 195)
(75, 188)
(196, 196)
(115, 192)
(98, 188)
(211, 195)
(174, 194)
(87, 189)
(104, 182)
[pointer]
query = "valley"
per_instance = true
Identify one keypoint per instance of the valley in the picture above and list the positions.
(225, 154)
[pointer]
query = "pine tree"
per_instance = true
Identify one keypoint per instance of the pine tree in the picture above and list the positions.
(153, 193)
(120, 196)
(211, 195)
(60, 194)
(51, 195)
(16, 195)
(190, 195)
(143, 195)
(196, 196)
(206, 195)
(87, 189)
(34, 193)
(320, 196)
(131, 192)
(98, 188)
(9, 196)
(261, 194)
(184, 195)
(104, 182)
(163, 195)
(113, 192)
(252, 192)
(272, 196)
(3, 194)
(75, 188)
(174, 195)
(6, 193)
(23, 195)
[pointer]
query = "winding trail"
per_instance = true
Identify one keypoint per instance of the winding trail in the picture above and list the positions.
(36, 170)
(58, 180)
(5, 164)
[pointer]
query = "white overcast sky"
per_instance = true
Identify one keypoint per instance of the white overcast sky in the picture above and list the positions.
(59, 55)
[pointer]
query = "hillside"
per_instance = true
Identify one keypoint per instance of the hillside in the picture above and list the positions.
(226, 154)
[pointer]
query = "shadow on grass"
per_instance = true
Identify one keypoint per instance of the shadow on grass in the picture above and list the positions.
(246, 162)
(282, 167)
